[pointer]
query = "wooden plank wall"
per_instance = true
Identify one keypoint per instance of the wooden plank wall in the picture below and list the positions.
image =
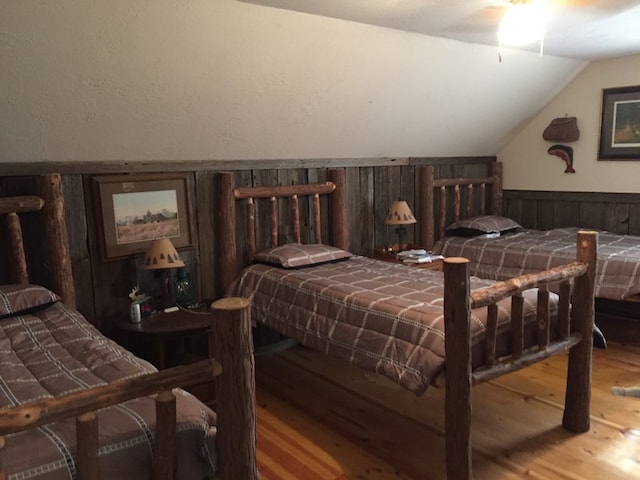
(103, 287)
(372, 184)
(614, 212)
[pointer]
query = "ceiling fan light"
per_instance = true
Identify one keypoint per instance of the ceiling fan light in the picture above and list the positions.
(523, 24)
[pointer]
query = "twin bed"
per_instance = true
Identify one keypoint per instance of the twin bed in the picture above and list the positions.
(521, 251)
(416, 326)
(75, 404)
(499, 248)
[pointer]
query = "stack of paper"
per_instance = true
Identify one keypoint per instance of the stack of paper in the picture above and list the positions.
(418, 256)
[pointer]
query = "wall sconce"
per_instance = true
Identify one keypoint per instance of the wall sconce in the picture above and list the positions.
(400, 214)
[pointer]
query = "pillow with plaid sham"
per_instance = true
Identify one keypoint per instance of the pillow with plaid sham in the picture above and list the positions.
(294, 255)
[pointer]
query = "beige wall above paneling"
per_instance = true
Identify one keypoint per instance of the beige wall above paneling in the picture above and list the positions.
(527, 166)
(166, 80)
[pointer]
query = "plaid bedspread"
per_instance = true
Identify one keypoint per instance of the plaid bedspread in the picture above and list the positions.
(381, 316)
(54, 351)
(527, 251)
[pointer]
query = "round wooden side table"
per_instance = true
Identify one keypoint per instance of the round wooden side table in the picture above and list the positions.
(164, 327)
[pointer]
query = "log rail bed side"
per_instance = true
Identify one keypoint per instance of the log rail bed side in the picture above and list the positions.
(235, 386)
(575, 313)
(576, 317)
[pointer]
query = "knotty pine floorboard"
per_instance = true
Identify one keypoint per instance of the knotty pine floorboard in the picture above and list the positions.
(319, 418)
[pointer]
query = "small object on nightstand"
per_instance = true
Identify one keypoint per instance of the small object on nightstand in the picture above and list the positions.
(183, 288)
(428, 261)
(414, 252)
(161, 257)
(400, 214)
(140, 308)
(418, 256)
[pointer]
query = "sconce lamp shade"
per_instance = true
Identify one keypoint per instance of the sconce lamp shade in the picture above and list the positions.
(161, 254)
(400, 214)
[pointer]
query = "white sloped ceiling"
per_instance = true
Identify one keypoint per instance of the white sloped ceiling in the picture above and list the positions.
(201, 79)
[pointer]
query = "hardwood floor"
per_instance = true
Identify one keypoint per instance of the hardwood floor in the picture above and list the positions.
(319, 418)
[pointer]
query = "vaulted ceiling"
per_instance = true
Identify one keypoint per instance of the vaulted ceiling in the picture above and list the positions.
(581, 29)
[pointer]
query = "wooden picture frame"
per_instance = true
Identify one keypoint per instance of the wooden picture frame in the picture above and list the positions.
(133, 210)
(620, 124)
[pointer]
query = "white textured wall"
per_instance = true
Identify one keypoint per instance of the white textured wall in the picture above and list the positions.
(219, 79)
(527, 166)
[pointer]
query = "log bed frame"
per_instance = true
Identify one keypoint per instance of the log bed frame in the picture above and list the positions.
(435, 216)
(475, 203)
(576, 296)
(234, 373)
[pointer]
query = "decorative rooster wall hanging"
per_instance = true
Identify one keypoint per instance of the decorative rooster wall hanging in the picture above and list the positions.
(566, 155)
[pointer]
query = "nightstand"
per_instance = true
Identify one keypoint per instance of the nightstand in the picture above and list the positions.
(175, 332)
(166, 327)
(388, 256)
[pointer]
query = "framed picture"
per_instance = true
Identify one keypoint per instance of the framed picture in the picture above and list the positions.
(136, 209)
(620, 125)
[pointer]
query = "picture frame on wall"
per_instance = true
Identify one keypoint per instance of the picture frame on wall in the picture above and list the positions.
(620, 124)
(135, 209)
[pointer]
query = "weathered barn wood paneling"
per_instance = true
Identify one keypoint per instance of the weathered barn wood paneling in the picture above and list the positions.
(372, 184)
(103, 286)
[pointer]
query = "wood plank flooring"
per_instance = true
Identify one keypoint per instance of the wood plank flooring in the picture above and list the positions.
(319, 418)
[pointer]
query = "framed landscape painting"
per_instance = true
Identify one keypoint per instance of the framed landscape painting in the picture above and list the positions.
(136, 209)
(620, 125)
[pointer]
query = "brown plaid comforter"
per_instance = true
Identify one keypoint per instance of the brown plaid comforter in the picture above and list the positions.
(54, 351)
(527, 251)
(381, 316)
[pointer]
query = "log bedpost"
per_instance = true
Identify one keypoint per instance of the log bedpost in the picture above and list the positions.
(457, 314)
(11, 207)
(426, 212)
(496, 188)
(57, 238)
(87, 440)
(340, 233)
(164, 450)
(19, 271)
(576, 416)
(235, 390)
(227, 229)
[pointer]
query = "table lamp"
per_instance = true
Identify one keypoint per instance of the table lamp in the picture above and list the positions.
(400, 214)
(162, 256)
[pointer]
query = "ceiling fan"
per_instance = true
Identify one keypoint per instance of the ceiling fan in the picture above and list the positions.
(494, 10)
(525, 22)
